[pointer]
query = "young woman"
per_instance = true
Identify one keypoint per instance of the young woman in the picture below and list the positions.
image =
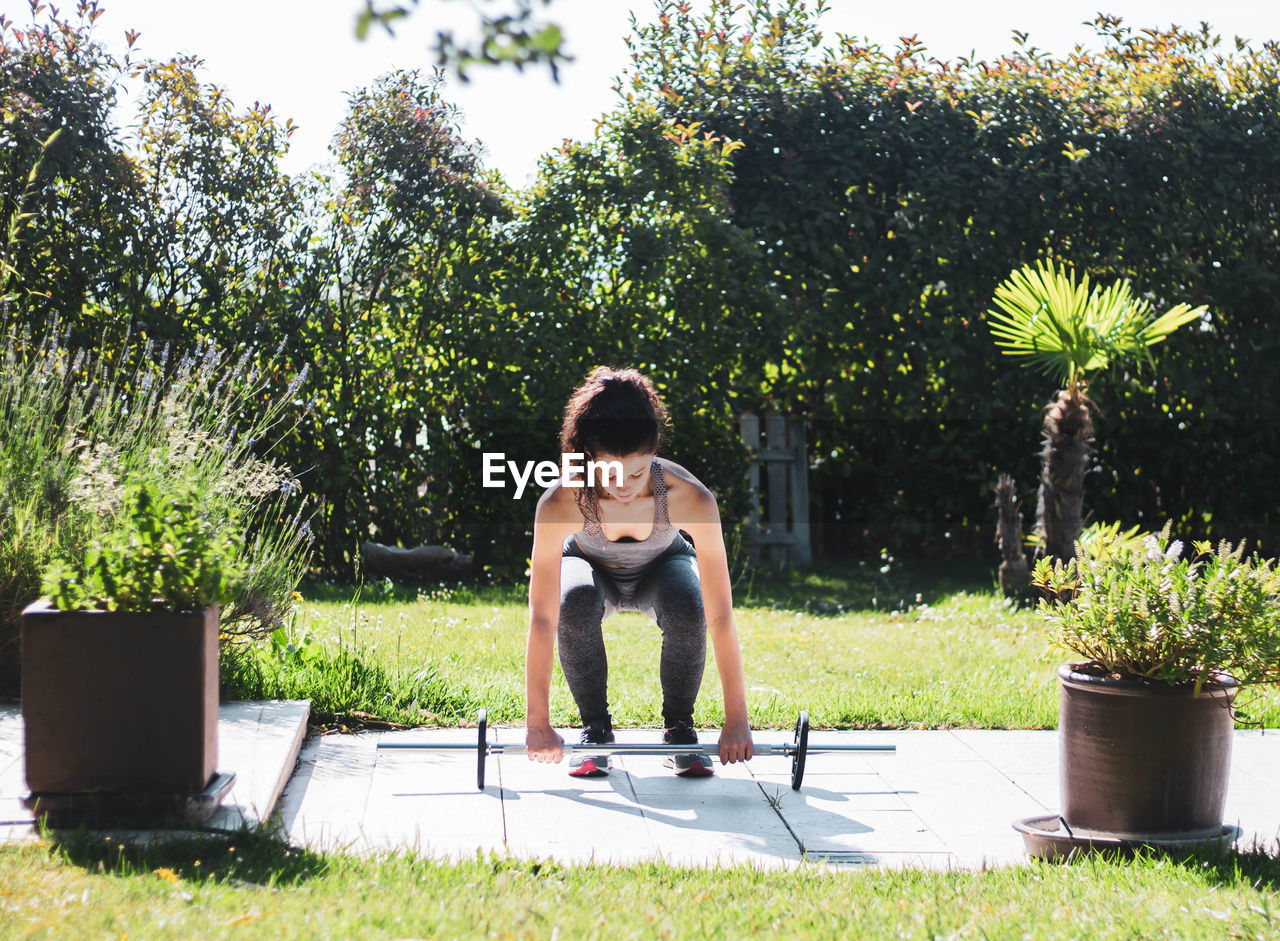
(618, 547)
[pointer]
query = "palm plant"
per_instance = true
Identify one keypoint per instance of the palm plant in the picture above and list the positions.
(1069, 329)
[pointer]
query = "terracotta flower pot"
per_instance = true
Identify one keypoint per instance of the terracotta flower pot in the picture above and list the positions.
(1144, 758)
(123, 702)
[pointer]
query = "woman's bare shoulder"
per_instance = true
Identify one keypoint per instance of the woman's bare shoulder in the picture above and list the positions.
(558, 507)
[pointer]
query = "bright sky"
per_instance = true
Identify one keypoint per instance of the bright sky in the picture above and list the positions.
(302, 55)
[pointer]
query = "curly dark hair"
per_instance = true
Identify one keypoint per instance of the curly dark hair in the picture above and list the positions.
(615, 412)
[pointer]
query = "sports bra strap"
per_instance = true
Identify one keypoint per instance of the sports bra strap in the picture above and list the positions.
(661, 521)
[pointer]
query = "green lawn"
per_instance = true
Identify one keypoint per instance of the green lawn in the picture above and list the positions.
(252, 887)
(917, 648)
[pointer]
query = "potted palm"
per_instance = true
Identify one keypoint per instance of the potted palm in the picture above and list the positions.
(120, 664)
(1068, 329)
(1160, 645)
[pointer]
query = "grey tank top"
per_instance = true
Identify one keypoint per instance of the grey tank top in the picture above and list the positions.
(630, 553)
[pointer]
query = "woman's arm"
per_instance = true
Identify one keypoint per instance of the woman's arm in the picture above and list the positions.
(550, 529)
(701, 519)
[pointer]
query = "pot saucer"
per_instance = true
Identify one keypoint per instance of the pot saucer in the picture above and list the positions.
(1049, 837)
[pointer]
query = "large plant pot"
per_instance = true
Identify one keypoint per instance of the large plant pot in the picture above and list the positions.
(121, 702)
(1145, 759)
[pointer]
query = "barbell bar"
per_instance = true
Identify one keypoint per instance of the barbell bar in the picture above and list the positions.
(798, 749)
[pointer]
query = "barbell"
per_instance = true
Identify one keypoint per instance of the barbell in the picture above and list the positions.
(798, 749)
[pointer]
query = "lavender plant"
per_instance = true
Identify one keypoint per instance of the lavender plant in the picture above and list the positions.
(80, 430)
(36, 514)
(205, 423)
(1144, 611)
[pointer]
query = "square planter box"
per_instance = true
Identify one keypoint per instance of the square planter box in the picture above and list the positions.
(119, 702)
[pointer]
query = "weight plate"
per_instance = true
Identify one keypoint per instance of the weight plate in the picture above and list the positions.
(802, 750)
(482, 747)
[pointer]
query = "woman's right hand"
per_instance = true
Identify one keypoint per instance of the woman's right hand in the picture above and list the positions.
(544, 744)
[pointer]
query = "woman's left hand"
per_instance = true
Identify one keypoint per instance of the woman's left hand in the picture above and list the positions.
(735, 742)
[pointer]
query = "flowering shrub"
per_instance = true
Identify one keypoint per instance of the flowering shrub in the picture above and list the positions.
(1146, 612)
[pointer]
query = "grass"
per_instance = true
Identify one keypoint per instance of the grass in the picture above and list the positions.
(881, 646)
(251, 886)
(349, 688)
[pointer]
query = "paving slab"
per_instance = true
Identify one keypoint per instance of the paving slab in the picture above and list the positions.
(429, 803)
(947, 799)
(573, 819)
(1253, 794)
(723, 819)
(323, 805)
(10, 739)
(913, 746)
(1043, 787)
(15, 820)
(259, 742)
(1257, 752)
(1013, 752)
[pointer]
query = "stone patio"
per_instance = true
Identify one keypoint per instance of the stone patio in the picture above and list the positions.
(946, 799)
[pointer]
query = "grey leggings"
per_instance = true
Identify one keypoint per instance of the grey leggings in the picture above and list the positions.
(667, 590)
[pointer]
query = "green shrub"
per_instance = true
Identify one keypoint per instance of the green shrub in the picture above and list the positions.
(891, 192)
(162, 554)
(35, 476)
(1146, 612)
(766, 221)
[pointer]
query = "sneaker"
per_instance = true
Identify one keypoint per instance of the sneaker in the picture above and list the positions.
(598, 732)
(689, 765)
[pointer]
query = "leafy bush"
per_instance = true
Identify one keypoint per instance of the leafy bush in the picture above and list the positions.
(1148, 613)
(766, 221)
(162, 554)
(891, 192)
(1097, 534)
(390, 304)
(35, 477)
(624, 252)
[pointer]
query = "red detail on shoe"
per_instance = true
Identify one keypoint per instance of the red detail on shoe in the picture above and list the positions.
(588, 769)
(696, 770)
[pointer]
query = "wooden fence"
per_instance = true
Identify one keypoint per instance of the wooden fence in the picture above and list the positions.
(780, 473)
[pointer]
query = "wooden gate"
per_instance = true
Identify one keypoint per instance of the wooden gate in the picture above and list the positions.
(780, 473)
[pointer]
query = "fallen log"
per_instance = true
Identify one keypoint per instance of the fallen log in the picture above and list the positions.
(396, 560)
